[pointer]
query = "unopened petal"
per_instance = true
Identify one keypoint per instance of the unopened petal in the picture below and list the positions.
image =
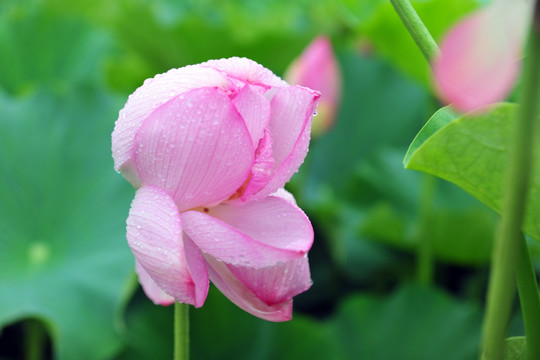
(154, 233)
(255, 234)
(151, 289)
(152, 94)
(196, 147)
(290, 125)
(243, 297)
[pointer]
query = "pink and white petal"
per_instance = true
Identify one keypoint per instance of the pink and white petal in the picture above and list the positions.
(238, 293)
(246, 70)
(255, 234)
(285, 195)
(255, 110)
(479, 59)
(154, 234)
(152, 94)
(151, 289)
(278, 283)
(196, 147)
(290, 126)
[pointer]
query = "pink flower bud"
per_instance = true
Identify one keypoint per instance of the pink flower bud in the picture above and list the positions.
(479, 59)
(317, 68)
(209, 148)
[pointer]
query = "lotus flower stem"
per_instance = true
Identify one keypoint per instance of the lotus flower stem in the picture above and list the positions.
(429, 48)
(181, 331)
(529, 299)
(508, 238)
(416, 28)
(35, 338)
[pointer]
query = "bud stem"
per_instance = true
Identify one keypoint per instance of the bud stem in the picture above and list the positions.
(416, 28)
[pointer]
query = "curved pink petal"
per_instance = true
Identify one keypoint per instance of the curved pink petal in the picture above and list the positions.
(152, 94)
(151, 289)
(277, 283)
(243, 297)
(196, 147)
(479, 59)
(246, 70)
(154, 234)
(255, 234)
(255, 110)
(290, 125)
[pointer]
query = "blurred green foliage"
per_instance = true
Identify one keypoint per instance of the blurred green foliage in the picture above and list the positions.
(66, 68)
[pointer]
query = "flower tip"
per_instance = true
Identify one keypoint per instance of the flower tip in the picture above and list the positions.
(318, 69)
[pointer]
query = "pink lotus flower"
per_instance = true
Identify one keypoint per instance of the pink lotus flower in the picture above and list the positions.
(317, 68)
(479, 59)
(209, 148)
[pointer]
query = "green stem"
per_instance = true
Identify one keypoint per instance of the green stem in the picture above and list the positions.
(35, 338)
(429, 48)
(506, 249)
(529, 299)
(425, 247)
(181, 331)
(416, 28)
